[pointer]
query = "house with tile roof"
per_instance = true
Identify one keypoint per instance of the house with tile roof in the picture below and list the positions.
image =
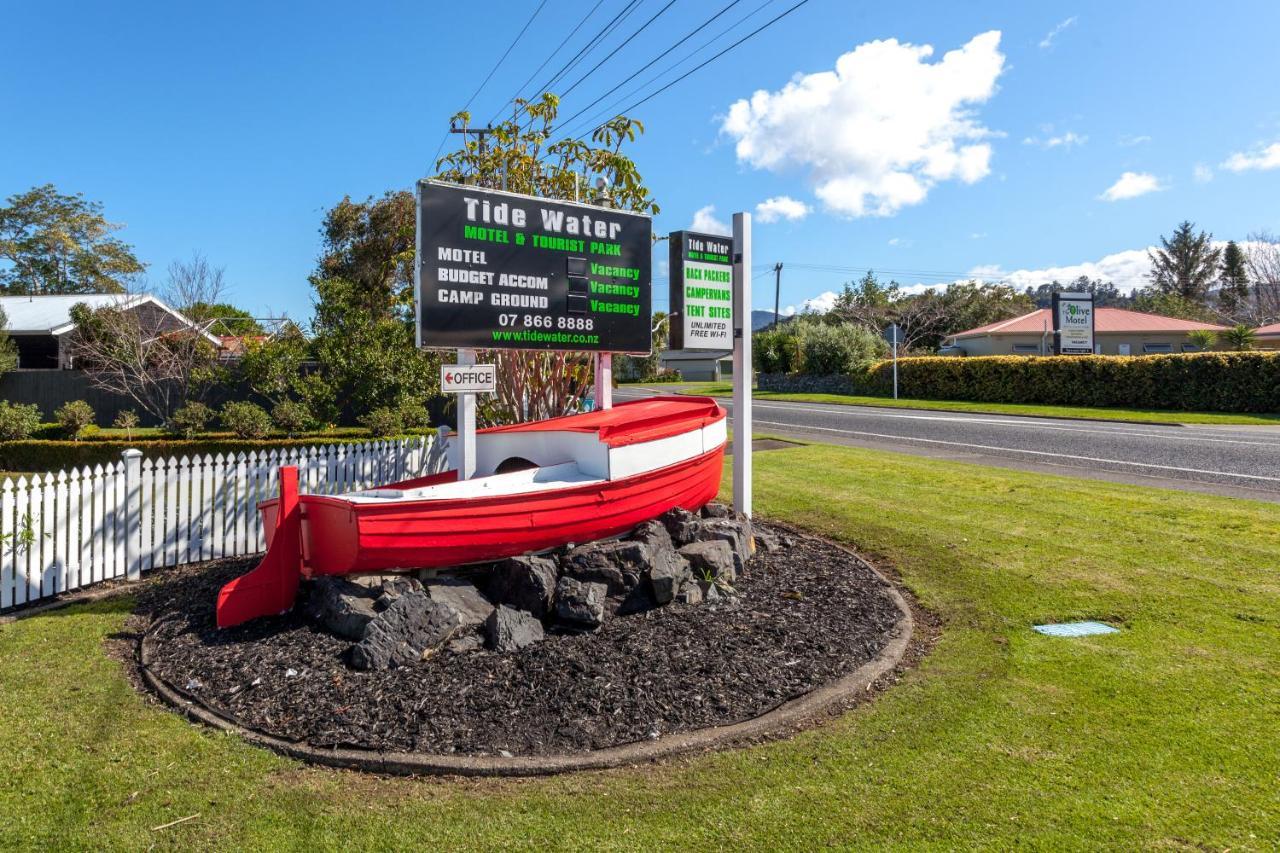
(1115, 332)
(1268, 336)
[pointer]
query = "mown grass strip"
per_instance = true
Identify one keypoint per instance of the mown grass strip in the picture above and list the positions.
(1161, 736)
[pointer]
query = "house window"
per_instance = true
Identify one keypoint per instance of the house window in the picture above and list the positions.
(1190, 348)
(1031, 348)
(1154, 348)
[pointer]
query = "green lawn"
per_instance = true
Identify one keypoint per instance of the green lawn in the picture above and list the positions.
(1150, 416)
(1162, 736)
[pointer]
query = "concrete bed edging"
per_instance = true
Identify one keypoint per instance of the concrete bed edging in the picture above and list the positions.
(826, 699)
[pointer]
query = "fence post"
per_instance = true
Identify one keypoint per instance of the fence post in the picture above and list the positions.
(132, 514)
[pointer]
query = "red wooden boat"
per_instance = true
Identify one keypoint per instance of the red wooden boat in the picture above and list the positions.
(537, 486)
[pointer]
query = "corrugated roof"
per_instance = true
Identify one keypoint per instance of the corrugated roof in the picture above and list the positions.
(51, 314)
(1273, 329)
(47, 313)
(1105, 320)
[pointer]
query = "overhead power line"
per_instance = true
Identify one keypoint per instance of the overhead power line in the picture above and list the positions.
(520, 89)
(606, 57)
(489, 76)
(584, 50)
(569, 121)
(570, 130)
(697, 67)
(707, 62)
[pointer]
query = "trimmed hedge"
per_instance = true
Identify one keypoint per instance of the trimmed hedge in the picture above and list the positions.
(34, 455)
(1207, 382)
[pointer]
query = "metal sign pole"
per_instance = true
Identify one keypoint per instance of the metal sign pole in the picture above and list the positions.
(466, 424)
(895, 361)
(742, 363)
(604, 380)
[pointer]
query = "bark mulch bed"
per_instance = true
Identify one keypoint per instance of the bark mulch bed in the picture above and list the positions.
(803, 616)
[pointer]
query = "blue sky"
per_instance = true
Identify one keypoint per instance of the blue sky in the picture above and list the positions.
(229, 128)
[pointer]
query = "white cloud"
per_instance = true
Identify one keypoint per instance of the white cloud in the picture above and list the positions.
(901, 242)
(1127, 270)
(781, 207)
(1202, 173)
(1262, 159)
(704, 220)
(820, 304)
(978, 235)
(1129, 141)
(1131, 185)
(1067, 140)
(878, 132)
(1047, 41)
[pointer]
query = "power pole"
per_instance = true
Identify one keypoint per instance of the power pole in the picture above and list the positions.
(481, 132)
(777, 290)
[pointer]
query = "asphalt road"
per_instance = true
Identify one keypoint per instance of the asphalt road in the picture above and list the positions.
(1240, 461)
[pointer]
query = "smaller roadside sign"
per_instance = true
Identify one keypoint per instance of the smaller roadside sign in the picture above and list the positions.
(1073, 323)
(701, 291)
(892, 334)
(468, 378)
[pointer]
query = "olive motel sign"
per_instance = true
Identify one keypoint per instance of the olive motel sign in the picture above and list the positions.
(500, 270)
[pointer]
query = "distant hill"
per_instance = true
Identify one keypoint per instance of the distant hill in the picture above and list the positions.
(760, 319)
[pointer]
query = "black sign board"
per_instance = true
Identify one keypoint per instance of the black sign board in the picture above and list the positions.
(500, 270)
(701, 291)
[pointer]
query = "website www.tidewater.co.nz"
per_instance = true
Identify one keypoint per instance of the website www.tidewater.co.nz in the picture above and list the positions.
(538, 336)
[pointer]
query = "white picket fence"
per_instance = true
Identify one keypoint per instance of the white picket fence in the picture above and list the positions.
(69, 529)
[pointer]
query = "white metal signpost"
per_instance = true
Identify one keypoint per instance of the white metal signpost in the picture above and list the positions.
(711, 310)
(742, 363)
(891, 335)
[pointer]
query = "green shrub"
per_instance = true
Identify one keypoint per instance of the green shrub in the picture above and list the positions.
(127, 420)
(291, 417)
(1202, 339)
(382, 422)
(827, 349)
(776, 350)
(190, 419)
(1208, 381)
(17, 421)
(414, 415)
(666, 376)
(1240, 338)
(74, 417)
(246, 420)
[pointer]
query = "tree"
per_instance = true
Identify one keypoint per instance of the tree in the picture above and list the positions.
(223, 318)
(867, 303)
(1149, 300)
(534, 385)
(1262, 257)
(146, 353)
(1233, 281)
(1186, 264)
(58, 243)
(1239, 337)
(971, 304)
(8, 349)
(273, 367)
(1105, 293)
